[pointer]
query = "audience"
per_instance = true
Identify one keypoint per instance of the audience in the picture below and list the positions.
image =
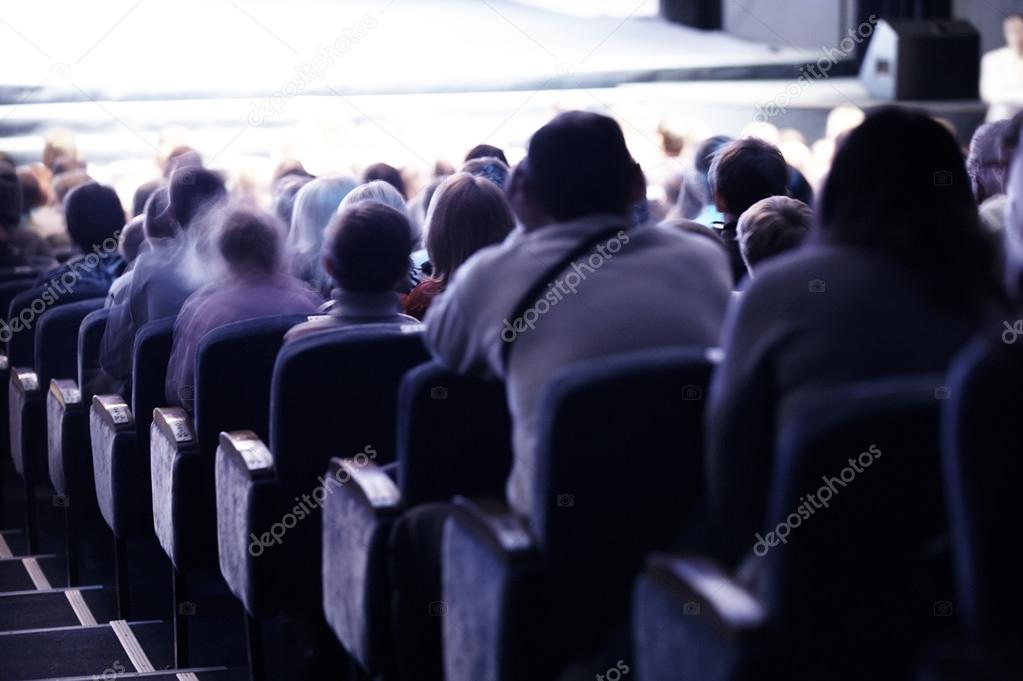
(315, 204)
(19, 244)
(469, 213)
(132, 237)
(695, 199)
(388, 174)
(742, 173)
(486, 151)
(988, 165)
(771, 227)
(160, 281)
(255, 286)
(490, 168)
(896, 280)
(366, 252)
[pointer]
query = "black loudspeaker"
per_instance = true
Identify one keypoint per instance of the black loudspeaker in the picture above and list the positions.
(923, 60)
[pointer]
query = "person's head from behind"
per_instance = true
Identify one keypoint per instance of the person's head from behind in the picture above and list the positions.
(771, 227)
(988, 160)
(32, 193)
(389, 174)
(194, 190)
(467, 214)
(367, 247)
(283, 194)
(94, 216)
(486, 151)
(577, 165)
(378, 191)
(250, 243)
(181, 157)
(898, 186)
(490, 168)
(315, 204)
(142, 194)
(156, 220)
(1013, 29)
(10, 196)
(132, 236)
(745, 171)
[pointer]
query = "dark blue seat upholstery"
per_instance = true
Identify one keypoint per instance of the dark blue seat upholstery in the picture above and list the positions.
(234, 367)
(28, 306)
(847, 577)
(454, 437)
(620, 466)
(8, 290)
(983, 470)
(333, 394)
(120, 436)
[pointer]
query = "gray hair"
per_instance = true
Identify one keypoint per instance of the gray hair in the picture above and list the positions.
(772, 226)
(988, 160)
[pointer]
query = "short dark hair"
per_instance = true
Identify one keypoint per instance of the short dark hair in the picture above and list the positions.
(746, 171)
(772, 226)
(389, 174)
(193, 190)
(156, 222)
(469, 213)
(250, 241)
(32, 195)
(131, 239)
(142, 194)
(94, 214)
(578, 164)
(367, 247)
(486, 151)
(10, 196)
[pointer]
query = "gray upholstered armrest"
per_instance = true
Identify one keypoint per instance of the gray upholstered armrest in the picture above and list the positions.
(113, 438)
(172, 447)
(66, 392)
(63, 399)
(495, 523)
(5, 363)
(370, 482)
(245, 478)
(729, 605)
(114, 411)
(24, 379)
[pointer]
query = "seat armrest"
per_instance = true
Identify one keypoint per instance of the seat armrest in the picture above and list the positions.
(730, 606)
(114, 410)
(246, 481)
(370, 483)
(179, 497)
(66, 392)
(174, 423)
(25, 379)
(5, 363)
(496, 524)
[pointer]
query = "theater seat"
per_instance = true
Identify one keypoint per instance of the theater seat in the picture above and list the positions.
(620, 447)
(54, 334)
(333, 394)
(69, 450)
(844, 585)
(983, 471)
(119, 436)
(454, 437)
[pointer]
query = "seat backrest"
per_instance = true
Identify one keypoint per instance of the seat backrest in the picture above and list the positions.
(56, 342)
(28, 306)
(234, 368)
(856, 490)
(335, 393)
(454, 436)
(8, 290)
(619, 460)
(982, 457)
(90, 338)
(150, 355)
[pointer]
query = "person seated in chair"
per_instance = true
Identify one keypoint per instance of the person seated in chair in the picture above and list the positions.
(255, 286)
(366, 252)
(771, 227)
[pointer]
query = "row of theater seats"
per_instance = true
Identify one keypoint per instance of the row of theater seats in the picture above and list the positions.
(857, 591)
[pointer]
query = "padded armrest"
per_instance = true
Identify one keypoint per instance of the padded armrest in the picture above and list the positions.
(117, 467)
(245, 482)
(64, 406)
(357, 519)
(699, 580)
(5, 363)
(495, 523)
(173, 453)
